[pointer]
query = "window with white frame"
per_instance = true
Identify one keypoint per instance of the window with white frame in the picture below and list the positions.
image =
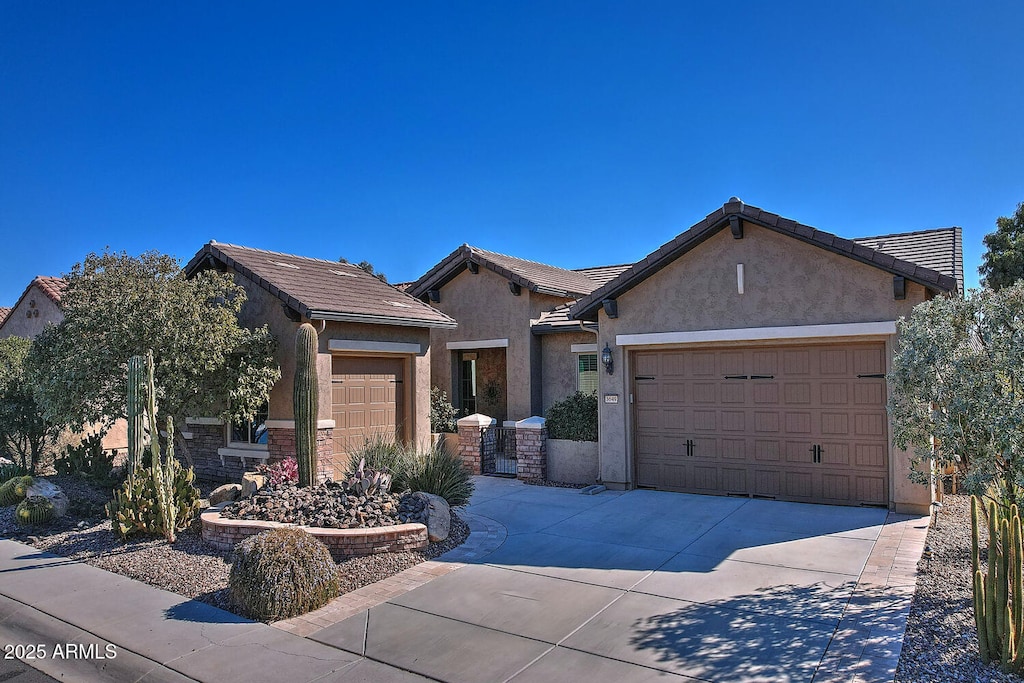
(250, 432)
(586, 373)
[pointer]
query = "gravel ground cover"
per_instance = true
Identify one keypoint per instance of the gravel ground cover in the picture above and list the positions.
(941, 642)
(189, 567)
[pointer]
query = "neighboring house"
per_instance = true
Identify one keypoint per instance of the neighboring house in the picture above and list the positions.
(748, 354)
(374, 360)
(37, 308)
(515, 351)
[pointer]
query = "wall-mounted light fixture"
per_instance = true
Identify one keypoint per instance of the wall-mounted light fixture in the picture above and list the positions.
(514, 288)
(739, 278)
(899, 287)
(606, 359)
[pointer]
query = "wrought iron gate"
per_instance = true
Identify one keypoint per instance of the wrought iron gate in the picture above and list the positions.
(498, 451)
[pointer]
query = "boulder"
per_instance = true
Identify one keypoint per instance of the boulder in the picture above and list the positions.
(225, 494)
(52, 492)
(439, 516)
(251, 483)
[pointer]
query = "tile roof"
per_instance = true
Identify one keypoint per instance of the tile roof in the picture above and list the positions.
(735, 209)
(4, 312)
(52, 287)
(940, 249)
(604, 274)
(320, 289)
(534, 276)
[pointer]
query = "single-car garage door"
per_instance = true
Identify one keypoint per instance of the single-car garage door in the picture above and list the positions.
(366, 397)
(804, 423)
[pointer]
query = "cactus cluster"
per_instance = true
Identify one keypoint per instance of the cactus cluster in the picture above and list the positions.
(14, 490)
(34, 510)
(161, 498)
(366, 482)
(998, 595)
(305, 401)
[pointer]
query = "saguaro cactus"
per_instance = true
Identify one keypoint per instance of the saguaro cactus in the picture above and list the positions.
(136, 412)
(999, 594)
(306, 398)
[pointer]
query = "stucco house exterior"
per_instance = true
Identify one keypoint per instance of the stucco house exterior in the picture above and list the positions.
(748, 354)
(373, 362)
(37, 307)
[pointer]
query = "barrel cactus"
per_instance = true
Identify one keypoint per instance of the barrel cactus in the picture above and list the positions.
(282, 573)
(34, 510)
(306, 399)
(14, 490)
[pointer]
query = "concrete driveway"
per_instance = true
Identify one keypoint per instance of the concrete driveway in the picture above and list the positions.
(645, 585)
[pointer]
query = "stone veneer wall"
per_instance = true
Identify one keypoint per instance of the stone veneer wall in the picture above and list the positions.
(224, 534)
(206, 440)
(281, 445)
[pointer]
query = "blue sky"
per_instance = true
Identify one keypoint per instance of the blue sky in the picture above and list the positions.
(575, 133)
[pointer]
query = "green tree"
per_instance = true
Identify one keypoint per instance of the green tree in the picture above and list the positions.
(957, 381)
(117, 306)
(1003, 263)
(24, 434)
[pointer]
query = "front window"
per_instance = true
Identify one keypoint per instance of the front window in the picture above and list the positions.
(251, 432)
(586, 373)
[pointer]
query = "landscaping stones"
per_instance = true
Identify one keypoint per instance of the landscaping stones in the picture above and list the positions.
(251, 483)
(52, 492)
(326, 505)
(225, 494)
(439, 515)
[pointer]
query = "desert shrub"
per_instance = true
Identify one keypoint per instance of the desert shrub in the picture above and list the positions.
(574, 418)
(282, 573)
(281, 472)
(135, 508)
(14, 490)
(87, 459)
(33, 511)
(382, 454)
(443, 414)
(442, 473)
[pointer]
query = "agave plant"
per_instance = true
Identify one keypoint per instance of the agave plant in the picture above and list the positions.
(366, 482)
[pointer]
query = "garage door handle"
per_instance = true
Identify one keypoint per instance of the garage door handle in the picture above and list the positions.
(880, 375)
(736, 377)
(639, 377)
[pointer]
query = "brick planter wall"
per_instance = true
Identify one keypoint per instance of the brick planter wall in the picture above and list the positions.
(281, 445)
(223, 534)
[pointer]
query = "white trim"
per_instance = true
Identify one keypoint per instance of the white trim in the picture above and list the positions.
(376, 346)
(211, 421)
(479, 344)
(260, 454)
(290, 424)
(583, 348)
(878, 329)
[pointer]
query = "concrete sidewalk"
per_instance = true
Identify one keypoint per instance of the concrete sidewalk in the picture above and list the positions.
(156, 635)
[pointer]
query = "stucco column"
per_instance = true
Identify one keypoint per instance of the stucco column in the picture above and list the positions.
(470, 428)
(531, 448)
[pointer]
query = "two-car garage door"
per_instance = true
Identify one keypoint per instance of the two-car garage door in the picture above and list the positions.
(804, 423)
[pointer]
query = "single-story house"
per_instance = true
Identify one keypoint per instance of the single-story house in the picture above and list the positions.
(37, 307)
(747, 356)
(373, 362)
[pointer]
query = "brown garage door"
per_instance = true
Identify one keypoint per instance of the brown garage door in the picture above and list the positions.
(366, 397)
(804, 423)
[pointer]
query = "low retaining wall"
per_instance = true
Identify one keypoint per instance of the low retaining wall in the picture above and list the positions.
(224, 534)
(574, 462)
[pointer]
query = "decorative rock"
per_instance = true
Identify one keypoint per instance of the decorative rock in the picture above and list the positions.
(52, 492)
(251, 483)
(225, 493)
(439, 516)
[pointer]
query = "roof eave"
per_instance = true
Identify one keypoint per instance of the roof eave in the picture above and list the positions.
(335, 316)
